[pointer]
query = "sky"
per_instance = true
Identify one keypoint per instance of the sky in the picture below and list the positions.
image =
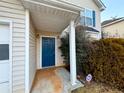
(114, 8)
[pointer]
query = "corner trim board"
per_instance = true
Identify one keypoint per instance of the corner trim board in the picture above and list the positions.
(27, 22)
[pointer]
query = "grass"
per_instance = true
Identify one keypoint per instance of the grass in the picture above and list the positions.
(96, 88)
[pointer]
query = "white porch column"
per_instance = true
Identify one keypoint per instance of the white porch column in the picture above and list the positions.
(72, 53)
(27, 22)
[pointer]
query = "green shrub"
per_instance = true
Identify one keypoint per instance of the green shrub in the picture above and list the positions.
(81, 47)
(65, 48)
(106, 61)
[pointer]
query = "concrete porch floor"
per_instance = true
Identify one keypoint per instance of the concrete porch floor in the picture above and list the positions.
(53, 80)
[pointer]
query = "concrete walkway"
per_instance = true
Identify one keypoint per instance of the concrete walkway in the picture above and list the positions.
(53, 80)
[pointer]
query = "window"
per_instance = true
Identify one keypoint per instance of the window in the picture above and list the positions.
(88, 18)
(4, 51)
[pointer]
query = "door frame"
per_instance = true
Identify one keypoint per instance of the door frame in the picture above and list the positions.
(41, 51)
(10, 23)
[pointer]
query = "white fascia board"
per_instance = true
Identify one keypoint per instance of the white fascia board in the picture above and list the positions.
(66, 4)
(100, 4)
(92, 32)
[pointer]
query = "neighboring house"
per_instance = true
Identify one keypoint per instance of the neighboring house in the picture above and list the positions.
(30, 32)
(113, 28)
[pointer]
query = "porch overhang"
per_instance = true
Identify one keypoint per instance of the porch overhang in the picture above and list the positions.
(51, 16)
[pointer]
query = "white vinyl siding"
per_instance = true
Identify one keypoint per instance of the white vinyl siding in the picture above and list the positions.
(32, 55)
(89, 4)
(13, 10)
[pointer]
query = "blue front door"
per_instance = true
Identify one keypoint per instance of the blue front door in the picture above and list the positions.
(48, 51)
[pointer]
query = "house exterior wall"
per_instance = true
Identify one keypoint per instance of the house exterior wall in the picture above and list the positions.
(32, 54)
(13, 10)
(59, 59)
(88, 4)
(114, 30)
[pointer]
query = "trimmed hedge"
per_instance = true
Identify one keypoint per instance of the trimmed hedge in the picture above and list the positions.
(106, 62)
(104, 59)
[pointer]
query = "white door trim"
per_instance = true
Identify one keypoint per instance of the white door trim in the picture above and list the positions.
(10, 23)
(41, 50)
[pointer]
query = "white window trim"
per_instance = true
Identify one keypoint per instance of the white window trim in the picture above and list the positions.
(10, 23)
(40, 62)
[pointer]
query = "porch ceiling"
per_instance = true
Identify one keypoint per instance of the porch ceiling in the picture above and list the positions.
(48, 17)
